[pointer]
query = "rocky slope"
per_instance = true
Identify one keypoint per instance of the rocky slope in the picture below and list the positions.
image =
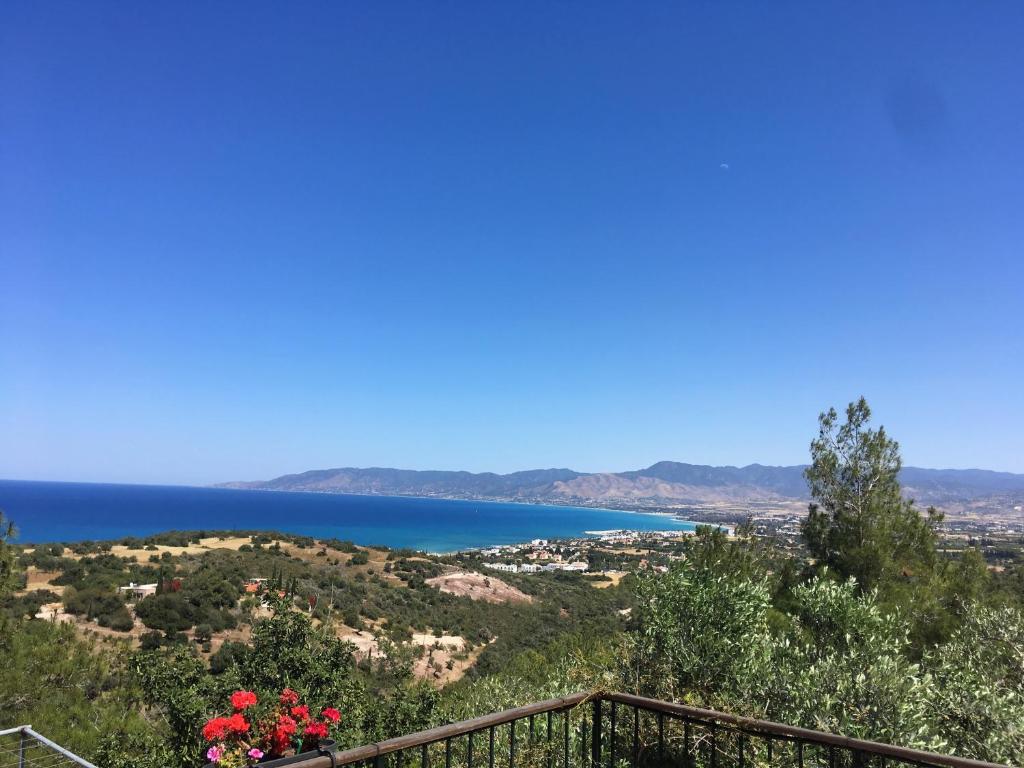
(666, 482)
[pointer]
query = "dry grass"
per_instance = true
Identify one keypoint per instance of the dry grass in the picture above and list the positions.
(614, 576)
(37, 579)
(433, 665)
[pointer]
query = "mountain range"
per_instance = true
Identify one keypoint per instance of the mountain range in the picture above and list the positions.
(665, 483)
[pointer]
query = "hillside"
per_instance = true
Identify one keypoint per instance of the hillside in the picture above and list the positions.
(666, 482)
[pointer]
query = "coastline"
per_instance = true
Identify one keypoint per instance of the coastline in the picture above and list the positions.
(72, 512)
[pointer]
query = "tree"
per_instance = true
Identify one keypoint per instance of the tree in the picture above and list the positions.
(844, 668)
(839, 663)
(979, 701)
(204, 632)
(69, 688)
(860, 526)
(7, 533)
(168, 611)
(701, 636)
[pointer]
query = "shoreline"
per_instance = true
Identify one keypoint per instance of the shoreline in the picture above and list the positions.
(70, 512)
(594, 536)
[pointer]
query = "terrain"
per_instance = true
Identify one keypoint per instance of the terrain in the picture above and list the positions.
(450, 615)
(666, 483)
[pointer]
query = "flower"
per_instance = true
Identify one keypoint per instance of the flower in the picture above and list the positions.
(242, 699)
(249, 734)
(281, 736)
(289, 697)
(221, 727)
(237, 723)
(316, 730)
(216, 728)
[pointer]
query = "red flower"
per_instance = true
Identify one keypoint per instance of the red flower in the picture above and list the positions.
(330, 713)
(281, 735)
(237, 723)
(279, 742)
(242, 699)
(216, 728)
(289, 697)
(316, 730)
(301, 713)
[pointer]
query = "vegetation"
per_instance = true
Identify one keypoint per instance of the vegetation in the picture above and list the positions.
(861, 526)
(875, 627)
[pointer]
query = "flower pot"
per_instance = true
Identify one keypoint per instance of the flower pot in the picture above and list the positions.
(326, 745)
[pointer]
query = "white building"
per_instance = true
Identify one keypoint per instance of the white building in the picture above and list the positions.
(137, 591)
(579, 567)
(505, 567)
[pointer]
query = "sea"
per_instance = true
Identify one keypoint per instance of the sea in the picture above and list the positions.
(64, 512)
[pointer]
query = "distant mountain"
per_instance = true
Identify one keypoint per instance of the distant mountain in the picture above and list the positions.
(666, 483)
(409, 482)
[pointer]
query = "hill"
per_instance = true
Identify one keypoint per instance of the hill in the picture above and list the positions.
(666, 482)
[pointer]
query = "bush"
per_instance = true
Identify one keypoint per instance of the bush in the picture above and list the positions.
(150, 641)
(227, 655)
(120, 621)
(168, 612)
(92, 602)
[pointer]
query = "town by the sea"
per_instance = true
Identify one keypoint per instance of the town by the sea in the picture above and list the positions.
(65, 512)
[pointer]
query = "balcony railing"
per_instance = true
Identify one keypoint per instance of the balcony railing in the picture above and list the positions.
(21, 747)
(612, 730)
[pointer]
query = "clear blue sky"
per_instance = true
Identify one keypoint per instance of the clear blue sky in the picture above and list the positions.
(242, 239)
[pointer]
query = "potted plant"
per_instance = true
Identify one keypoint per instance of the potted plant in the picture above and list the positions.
(256, 732)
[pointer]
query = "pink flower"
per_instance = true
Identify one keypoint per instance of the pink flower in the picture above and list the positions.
(255, 754)
(213, 754)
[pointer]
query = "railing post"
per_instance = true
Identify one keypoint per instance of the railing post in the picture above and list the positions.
(595, 735)
(21, 750)
(583, 742)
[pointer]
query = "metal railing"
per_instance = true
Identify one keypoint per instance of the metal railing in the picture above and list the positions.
(22, 747)
(612, 730)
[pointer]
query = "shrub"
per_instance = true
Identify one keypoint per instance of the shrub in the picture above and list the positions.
(120, 621)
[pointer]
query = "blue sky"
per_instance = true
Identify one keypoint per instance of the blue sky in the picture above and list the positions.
(238, 240)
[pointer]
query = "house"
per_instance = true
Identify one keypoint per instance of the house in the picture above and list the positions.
(506, 567)
(578, 567)
(254, 586)
(137, 591)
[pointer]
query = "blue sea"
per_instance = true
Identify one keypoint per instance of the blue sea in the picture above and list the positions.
(46, 512)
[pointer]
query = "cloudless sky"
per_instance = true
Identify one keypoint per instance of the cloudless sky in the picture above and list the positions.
(243, 239)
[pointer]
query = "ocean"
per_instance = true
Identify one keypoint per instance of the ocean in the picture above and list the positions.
(49, 512)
